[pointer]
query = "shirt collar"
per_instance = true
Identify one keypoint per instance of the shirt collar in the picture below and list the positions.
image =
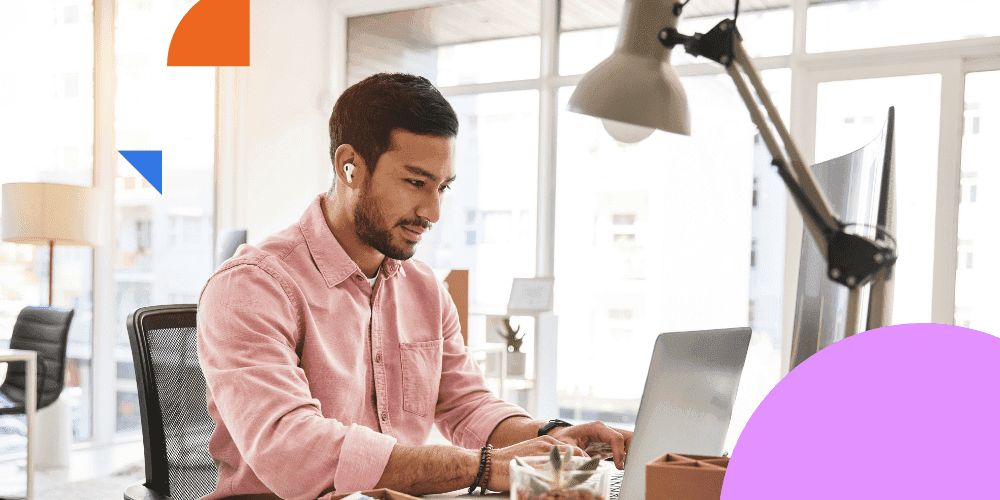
(330, 258)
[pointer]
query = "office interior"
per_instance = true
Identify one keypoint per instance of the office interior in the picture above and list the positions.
(669, 234)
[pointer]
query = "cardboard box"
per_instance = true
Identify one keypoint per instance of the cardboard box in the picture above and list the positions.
(685, 477)
(381, 494)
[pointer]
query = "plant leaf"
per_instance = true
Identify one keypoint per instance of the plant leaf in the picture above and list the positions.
(591, 464)
(555, 459)
(578, 477)
(537, 486)
(568, 459)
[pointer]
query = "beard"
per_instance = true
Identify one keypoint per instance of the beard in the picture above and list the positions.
(374, 231)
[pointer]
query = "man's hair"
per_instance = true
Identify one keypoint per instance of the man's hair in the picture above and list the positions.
(368, 111)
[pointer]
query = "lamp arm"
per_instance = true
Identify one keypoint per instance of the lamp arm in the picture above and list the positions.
(852, 259)
(814, 206)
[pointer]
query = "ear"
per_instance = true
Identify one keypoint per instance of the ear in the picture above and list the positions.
(346, 154)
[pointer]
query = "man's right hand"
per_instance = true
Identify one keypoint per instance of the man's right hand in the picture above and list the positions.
(540, 446)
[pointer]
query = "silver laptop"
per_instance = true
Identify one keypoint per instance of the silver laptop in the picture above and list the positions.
(687, 402)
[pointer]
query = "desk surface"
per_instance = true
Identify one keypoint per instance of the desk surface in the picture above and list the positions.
(464, 494)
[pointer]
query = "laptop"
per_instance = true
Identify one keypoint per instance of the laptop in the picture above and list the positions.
(687, 402)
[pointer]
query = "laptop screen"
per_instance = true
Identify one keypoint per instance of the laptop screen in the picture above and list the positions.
(687, 401)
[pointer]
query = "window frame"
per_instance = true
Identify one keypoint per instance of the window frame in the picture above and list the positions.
(952, 59)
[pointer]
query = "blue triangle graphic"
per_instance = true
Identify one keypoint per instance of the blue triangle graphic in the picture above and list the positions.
(149, 164)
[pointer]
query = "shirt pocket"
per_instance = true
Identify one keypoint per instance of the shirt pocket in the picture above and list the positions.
(421, 369)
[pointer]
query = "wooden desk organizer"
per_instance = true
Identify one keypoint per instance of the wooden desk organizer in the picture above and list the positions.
(685, 477)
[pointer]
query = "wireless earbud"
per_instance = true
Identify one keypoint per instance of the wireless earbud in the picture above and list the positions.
(349, 172)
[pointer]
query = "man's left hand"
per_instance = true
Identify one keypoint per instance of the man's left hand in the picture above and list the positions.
(585, 435)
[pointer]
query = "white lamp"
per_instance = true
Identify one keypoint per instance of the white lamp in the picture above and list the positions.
(38, 213)
(635, 90)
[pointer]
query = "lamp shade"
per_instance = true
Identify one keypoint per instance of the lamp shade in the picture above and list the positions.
(37, 213)
(636, 84)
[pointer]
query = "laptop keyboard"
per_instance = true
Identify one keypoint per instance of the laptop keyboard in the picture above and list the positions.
(616, 484)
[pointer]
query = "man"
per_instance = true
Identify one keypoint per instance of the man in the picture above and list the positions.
(329, 353)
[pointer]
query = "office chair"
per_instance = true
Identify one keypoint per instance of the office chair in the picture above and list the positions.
(44, 330)
(176, 426)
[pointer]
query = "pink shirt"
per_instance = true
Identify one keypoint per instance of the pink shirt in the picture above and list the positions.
(313, 378)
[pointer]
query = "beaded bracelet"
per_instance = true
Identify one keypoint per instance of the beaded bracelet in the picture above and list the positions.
(483, 458)
(486, 474)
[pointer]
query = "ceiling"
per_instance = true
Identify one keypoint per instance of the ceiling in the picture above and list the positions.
(463, 21)
(430, 23)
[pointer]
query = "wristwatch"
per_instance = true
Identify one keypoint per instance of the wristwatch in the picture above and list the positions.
(552, 424)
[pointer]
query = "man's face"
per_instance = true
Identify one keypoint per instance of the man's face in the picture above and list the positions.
(401, 200)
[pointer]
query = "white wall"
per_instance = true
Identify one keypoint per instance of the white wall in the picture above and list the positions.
(275, 158)
(283, 132)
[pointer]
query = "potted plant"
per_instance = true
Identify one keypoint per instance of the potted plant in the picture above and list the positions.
(559, 477)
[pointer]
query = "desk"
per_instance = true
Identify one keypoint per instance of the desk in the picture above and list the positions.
(30, 359)
(465, 494)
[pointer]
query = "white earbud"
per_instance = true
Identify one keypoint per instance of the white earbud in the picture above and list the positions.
(349, 172)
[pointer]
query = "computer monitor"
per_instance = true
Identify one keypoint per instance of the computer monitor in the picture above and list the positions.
(861, 189)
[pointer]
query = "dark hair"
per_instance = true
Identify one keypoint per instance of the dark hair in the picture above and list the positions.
(368, 111)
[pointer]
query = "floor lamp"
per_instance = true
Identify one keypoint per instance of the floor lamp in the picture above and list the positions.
(38, 213)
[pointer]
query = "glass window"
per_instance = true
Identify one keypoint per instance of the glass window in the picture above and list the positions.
(490, 61)
(976, 290)
(917, 102)
(165, 242)
(493, 197)
(643, 247)
(47, 135)
(883, 23)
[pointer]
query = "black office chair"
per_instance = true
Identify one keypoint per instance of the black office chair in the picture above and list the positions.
(176, 426)
(46, 331)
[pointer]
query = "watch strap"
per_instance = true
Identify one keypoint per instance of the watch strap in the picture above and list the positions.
(552, 424)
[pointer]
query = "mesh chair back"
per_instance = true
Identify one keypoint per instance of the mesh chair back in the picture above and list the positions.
(176, 426)
(44, 330)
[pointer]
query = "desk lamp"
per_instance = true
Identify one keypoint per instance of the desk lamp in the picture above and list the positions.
(636, 90)
(39, 213)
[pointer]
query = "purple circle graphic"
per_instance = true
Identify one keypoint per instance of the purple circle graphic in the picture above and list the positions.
(906, 411)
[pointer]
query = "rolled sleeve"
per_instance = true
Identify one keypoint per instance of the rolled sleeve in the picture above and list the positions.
(365, 454)
(467, 412)
(247, 345)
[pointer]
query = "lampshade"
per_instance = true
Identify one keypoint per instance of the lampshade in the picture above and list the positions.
(37, 213)
(636, 84)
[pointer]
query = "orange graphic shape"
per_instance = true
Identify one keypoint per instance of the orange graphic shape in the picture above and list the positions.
(212, 33)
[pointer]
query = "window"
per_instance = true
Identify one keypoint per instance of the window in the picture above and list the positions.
(886, 23)
(620, 314)
(173, 247)
(977, 270)
(623, 219)
(644, 226)
(47, 135)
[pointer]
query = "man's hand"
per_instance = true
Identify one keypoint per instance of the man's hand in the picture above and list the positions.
(539, 446)
(584, 435)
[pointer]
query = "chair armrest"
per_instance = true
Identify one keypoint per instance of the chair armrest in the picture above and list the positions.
(139, 491)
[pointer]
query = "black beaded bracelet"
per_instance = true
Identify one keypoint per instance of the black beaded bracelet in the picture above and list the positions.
(483, 458)
(487, 470)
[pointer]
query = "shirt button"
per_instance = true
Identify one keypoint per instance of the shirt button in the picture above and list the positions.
(385, 416)
(378, 358)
